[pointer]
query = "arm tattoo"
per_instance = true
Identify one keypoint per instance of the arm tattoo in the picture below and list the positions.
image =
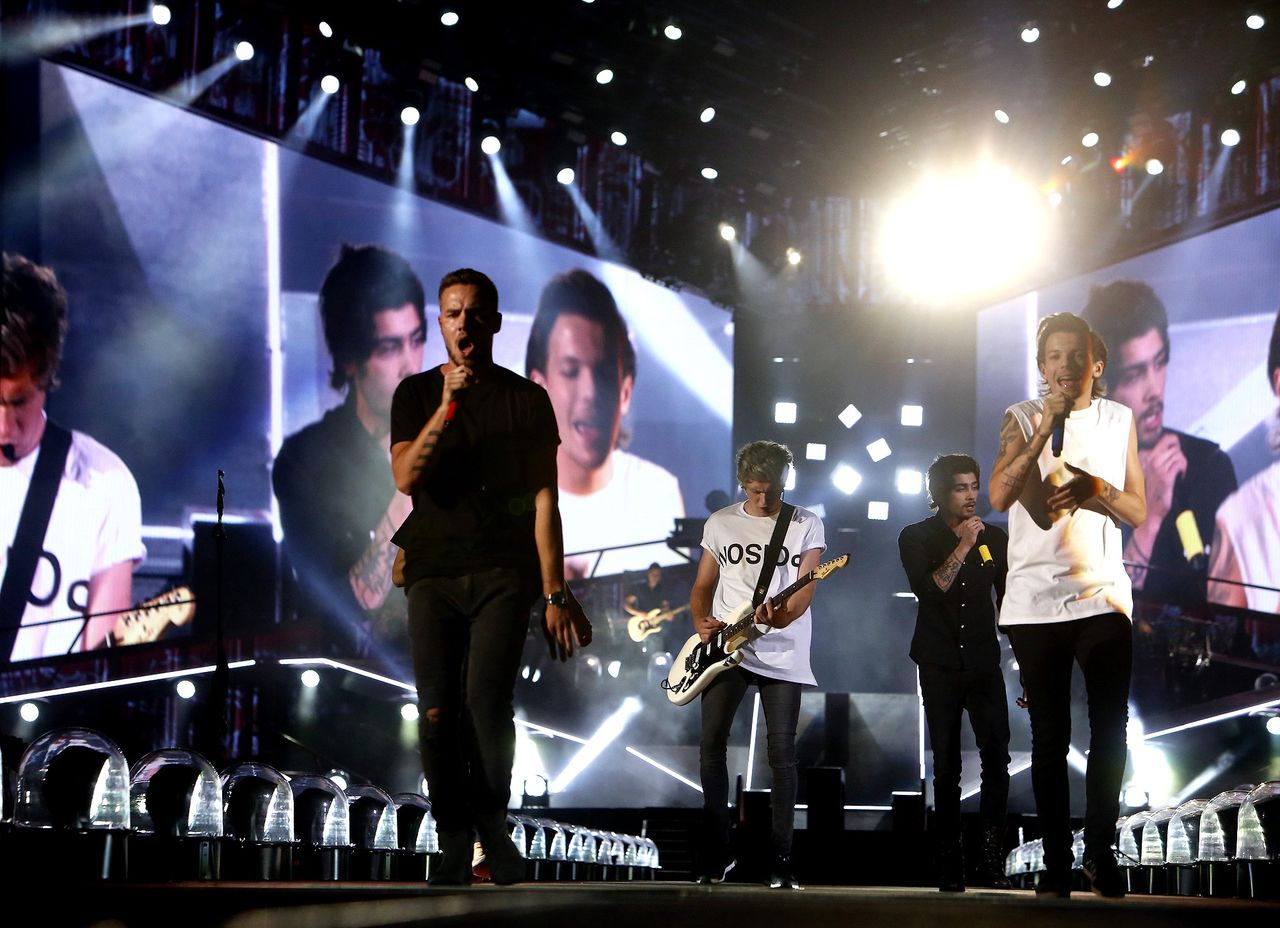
(1008, 432)
(371, 575)
(1110, 493)
(945, 575)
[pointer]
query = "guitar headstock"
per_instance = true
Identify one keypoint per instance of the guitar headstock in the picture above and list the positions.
(822, 571)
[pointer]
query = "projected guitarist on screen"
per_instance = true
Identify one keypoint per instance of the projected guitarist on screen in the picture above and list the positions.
(70, 514)
(652, 615)
(776, 660)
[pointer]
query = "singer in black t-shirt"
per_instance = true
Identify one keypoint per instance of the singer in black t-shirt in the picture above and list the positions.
(954, 562)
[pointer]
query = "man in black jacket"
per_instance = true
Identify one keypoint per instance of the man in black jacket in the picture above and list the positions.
(953, 562)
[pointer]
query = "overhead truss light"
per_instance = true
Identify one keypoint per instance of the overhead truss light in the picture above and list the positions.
(912, 415)
(784, 413)
(879, 450)
(1002, 117)
(1030, 33)
(708, 114)
(1154, 166)
(604, 75)
(410, 115)
(161, 15)
(330, 84)
(1255, 22)
(471, 84)
(490, 145)
(710, 173)
(1089, 139)
(815, 451)
(1239, 87)
(325, 29)
(728, 232)
(1230, 138)
(846, 479)
(565, 176)
(449, 18)
(878, 510)
(244, 50)
(618, 138)
(849, 416)
(673, 32)
(1102, 78)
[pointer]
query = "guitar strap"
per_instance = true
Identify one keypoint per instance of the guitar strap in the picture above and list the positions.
(28, 541)
(771, 553)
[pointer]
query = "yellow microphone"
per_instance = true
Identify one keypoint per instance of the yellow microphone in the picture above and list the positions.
(1192, 543)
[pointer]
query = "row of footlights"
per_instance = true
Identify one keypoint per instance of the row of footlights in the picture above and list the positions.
(1227, 846)
(172, 816)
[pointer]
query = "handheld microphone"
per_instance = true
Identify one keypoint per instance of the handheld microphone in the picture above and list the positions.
(1059, 428)
(984, 552)
(450, 411)
(1192, 543)
(10, 452)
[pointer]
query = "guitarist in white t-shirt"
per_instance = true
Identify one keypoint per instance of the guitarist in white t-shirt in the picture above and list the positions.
(776, 660)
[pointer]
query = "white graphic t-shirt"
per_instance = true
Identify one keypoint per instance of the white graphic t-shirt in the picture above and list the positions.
(96, 523)
(738, 541)
(640, 503)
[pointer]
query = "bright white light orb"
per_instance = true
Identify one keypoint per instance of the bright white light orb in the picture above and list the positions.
(161, 15)
(490, 145)
(1002, 117)
(879, 450)
(565, 176)
(1154, 166)
(244, 50)
(410, 115)
(1255, 22)
(909, 481)
(409, 712)
(618, 138)
(710, 173)
(185, 689)
(1030, 34)
(1239, 87)
(1102, 79)
(784, 413)
(29, 712)
(310, 679)
(846, 479)
(877, 510)
(1230, 138)
(708, 114)
(912, 415)
(1089, 139)
(329, 84)
(1273, 725)
(325, 29)
(471, 84)
(449, 18)
(794, 257)
(728, 232)
(604, 75)
(673, 32)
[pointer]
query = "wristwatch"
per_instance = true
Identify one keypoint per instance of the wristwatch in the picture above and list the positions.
(558, 598)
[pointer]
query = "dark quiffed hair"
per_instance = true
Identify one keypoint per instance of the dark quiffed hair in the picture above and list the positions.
(1126, 309)
(763, 460)
(470, 277)
(1069, 322)
(578, 293)
(943, 470)
(365, 280)
(33, 321)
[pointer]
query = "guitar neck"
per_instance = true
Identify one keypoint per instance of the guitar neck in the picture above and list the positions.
(741, 626)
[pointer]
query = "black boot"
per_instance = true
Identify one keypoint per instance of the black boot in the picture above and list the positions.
(506, 865)
(993, 855)
(950, 865)
(454, 866)
(782, 874)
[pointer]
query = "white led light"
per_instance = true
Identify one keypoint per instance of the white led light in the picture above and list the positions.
(794, 257)
(325, 29)
(185, 689)
(1230, 138)
(728, 232)
(1002, 117)
(909, 481)
(161, 15)
(604, 76)
(449, 18)
(409, 712)
(710, 173)
(784, 413)
(846, 479)
(310, 679)
(912, 415)
(673, 32)
(490, 145)
(849, 415)
(877, 510)
(1102, 79)
(1255, 22)
(565, 176)
(29, 711)
(410, 115)
(471, 84)
(879, 450)
(1089, 140)
(618, 138)
(1154, 166)
(244, 50)
(1114, 4)
(1273, 725)
(1239, 87)
(708, 114)
(815, 451)
(329, 84)
(1030, 34)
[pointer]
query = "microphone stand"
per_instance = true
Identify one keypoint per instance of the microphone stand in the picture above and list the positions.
(216, 724)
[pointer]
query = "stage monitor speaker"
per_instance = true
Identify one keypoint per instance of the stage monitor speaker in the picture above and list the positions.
(824, 792)
(248, 576)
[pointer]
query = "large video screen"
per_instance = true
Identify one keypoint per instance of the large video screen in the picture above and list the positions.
(1204, 397)
(193, 254)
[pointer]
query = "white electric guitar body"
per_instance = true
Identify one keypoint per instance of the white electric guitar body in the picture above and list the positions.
(699, 663)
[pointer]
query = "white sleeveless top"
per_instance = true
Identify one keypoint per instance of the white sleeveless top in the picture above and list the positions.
(1061, 566)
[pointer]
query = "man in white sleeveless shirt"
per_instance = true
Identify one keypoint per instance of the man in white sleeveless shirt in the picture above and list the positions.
(1068, 597)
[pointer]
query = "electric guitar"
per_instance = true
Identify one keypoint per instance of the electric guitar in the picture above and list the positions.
(699, 663)
(148, 621)
(640, 627)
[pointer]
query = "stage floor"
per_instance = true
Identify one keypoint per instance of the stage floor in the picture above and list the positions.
(623, 905)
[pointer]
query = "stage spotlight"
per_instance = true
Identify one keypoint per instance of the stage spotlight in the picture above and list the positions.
(471, 84)
(1255, 22)
(449, 18)
(618, 138)
(339, 778)
(409, 712)
(244, 50)
(1089, 139)
(710, 173)
(784, 413)
(849, 415)
(1114, 4)
(1002, 117)
(604, 75)
(1030, 34)
(815, 451)
(310, 679)
(1102, 78)
(909, 481)
(1135, 797)
(1055, 198)
(613, 668)
(708, 114)
(912, 415)
(879, 450)
(536, 793)
(1154, 166)
(329, 84)
(537, 675)
(673, 32)
(1230, 138)
(1273, 725)
(794, 257)
(1239, 87)
(490, 145)
(410, 115)
(185, 689)
(727, 232)
(29, 711)
(161, 15)
(325, 29)
(878, 510)
(846, 479)
(565, 176)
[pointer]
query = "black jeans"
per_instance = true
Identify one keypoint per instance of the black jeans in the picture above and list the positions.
(467, 635)
(947, 695)
(781, 702)
(1103, 647)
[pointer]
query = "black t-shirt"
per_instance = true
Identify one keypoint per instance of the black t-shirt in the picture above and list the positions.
(333, 482)
(956, 628)
(475, 508)
(1209, 479)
